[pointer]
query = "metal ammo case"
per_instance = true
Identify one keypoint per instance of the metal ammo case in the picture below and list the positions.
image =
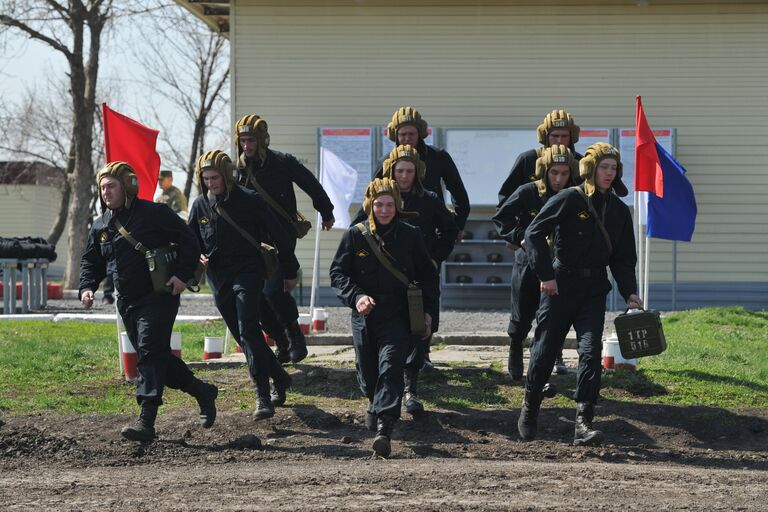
(640, 334)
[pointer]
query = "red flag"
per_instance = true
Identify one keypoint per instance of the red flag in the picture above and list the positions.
(126, 140)
(648, 174)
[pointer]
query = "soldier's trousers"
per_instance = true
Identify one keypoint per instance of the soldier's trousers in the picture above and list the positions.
(380, 354)
(525, 301)
(149, 324)
(577, 306)
(280, 308)
(237, 298)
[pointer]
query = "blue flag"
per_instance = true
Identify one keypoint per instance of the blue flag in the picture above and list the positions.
(673, 216)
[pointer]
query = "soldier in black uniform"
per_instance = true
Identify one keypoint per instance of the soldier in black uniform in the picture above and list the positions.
(148, 315)
(235, 269)
(439, 231)
(592, 230)
(380, 311)
(558, 128)
(407, 127)
(555, 169)
(273, 174)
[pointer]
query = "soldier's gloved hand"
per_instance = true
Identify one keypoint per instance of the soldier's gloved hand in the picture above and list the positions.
(428, 325)
(87, 299)
(634, 302)
(176, 284)
(365, 305)
(289, 285)
(549, 287)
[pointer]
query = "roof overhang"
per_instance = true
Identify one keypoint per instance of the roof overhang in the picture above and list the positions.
(215, 13)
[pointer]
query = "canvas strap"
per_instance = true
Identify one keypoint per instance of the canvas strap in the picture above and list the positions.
(136, 244)
(274, 204)
(224, 215)
(598, 220)
(380, 256)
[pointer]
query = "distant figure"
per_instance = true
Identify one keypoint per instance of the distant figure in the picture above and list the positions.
(171, 195)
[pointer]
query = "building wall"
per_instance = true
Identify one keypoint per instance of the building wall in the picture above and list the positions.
(701, 67)
(30, 210)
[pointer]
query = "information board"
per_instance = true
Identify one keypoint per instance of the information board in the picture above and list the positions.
(353, 146)
(387, 145)
(664, 136)
(588, 136)
(484, 158)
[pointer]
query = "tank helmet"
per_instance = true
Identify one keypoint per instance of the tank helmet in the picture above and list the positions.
(557, 119)
(406, 116)
(125, 174)
(215, 160)
(383, 187)
(553, 155)
(255, 126)
(409, 154)
(588, 166)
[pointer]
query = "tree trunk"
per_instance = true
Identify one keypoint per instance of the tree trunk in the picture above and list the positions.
(61, 217)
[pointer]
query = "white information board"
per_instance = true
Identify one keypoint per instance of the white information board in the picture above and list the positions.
(354, 146)
(588, 136)
(387, 145)
(664, 136)
(485, 157)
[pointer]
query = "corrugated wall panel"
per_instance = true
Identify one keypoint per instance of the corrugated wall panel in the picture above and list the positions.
(700, 66)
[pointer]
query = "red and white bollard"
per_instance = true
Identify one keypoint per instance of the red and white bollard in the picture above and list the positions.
(612, 358)
(305, 323)
(130, 358)
(319, 320)
(176, 344)
(213, 347)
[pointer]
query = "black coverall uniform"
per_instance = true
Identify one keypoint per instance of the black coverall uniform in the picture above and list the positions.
(441, 169)
(277, 175)
(148, 316)
(439, 230)
(382, 339)
(581, 257)
(511, 219)
(524, 171)
(235, 269)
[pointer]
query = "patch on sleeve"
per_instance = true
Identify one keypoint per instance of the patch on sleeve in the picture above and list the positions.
(533, 213)
(104, 237)
(582, 215)
(532, 177)
(362, 253)
(203, 220)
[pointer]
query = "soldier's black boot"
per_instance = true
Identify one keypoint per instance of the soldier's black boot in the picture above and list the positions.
(412, 404)
(264, 408)
(144, 428)
(529, 415)
(282, 346)
(584, 434)
(279, 386)
(515, 362)
(298, 350)
(370, 418)
(381, 443)
(205, 394)
(560, 368)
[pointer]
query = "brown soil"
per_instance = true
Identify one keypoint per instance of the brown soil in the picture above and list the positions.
(654, 457)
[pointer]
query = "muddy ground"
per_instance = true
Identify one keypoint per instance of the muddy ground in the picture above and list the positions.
(307, 458)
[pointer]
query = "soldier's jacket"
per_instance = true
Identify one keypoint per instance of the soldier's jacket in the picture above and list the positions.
(579, 245)
(174, 198)
(355, 271)
(516, 214)
(154, 226)
(277, 174)
(228, 251)
(442, 169)
(436, 223)
(523, 171)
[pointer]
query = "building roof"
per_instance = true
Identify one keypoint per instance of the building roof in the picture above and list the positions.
(215, 13)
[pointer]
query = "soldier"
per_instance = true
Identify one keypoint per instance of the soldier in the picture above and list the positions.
(273, 174)
(374, 261)
(117, 244)
(171, 195)
(407, 127)
(230, 223)
(558, 128)
(439, 232)
(592, 229)
(555, 169)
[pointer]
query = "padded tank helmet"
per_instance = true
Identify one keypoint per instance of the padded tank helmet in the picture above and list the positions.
(558, 119)
(125, 174)
(588, 166)
(253, 126)
(384, 187)
(215, 160)
(405, 116)
(409, 154)
(553, 155)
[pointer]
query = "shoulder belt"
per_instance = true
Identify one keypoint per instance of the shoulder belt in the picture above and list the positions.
(380, 256)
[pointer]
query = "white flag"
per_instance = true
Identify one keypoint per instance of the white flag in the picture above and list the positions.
(338, 180)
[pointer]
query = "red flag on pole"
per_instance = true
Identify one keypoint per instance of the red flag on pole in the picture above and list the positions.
(126, 140)
(648, 174)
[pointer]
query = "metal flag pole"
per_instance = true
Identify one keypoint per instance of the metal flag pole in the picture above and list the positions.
(316, 260)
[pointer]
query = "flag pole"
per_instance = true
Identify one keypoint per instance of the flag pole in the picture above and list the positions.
(640, 252)
(316, 260)
(646, 283)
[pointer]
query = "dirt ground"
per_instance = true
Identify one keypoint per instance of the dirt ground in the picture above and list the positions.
(305, 458)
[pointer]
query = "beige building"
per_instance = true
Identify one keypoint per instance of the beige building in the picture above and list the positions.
(701, 67)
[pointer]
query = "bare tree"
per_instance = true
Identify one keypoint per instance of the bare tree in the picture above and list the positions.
(74, 29)
(188, 67)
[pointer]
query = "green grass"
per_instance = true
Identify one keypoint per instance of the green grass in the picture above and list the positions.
(715, 357)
